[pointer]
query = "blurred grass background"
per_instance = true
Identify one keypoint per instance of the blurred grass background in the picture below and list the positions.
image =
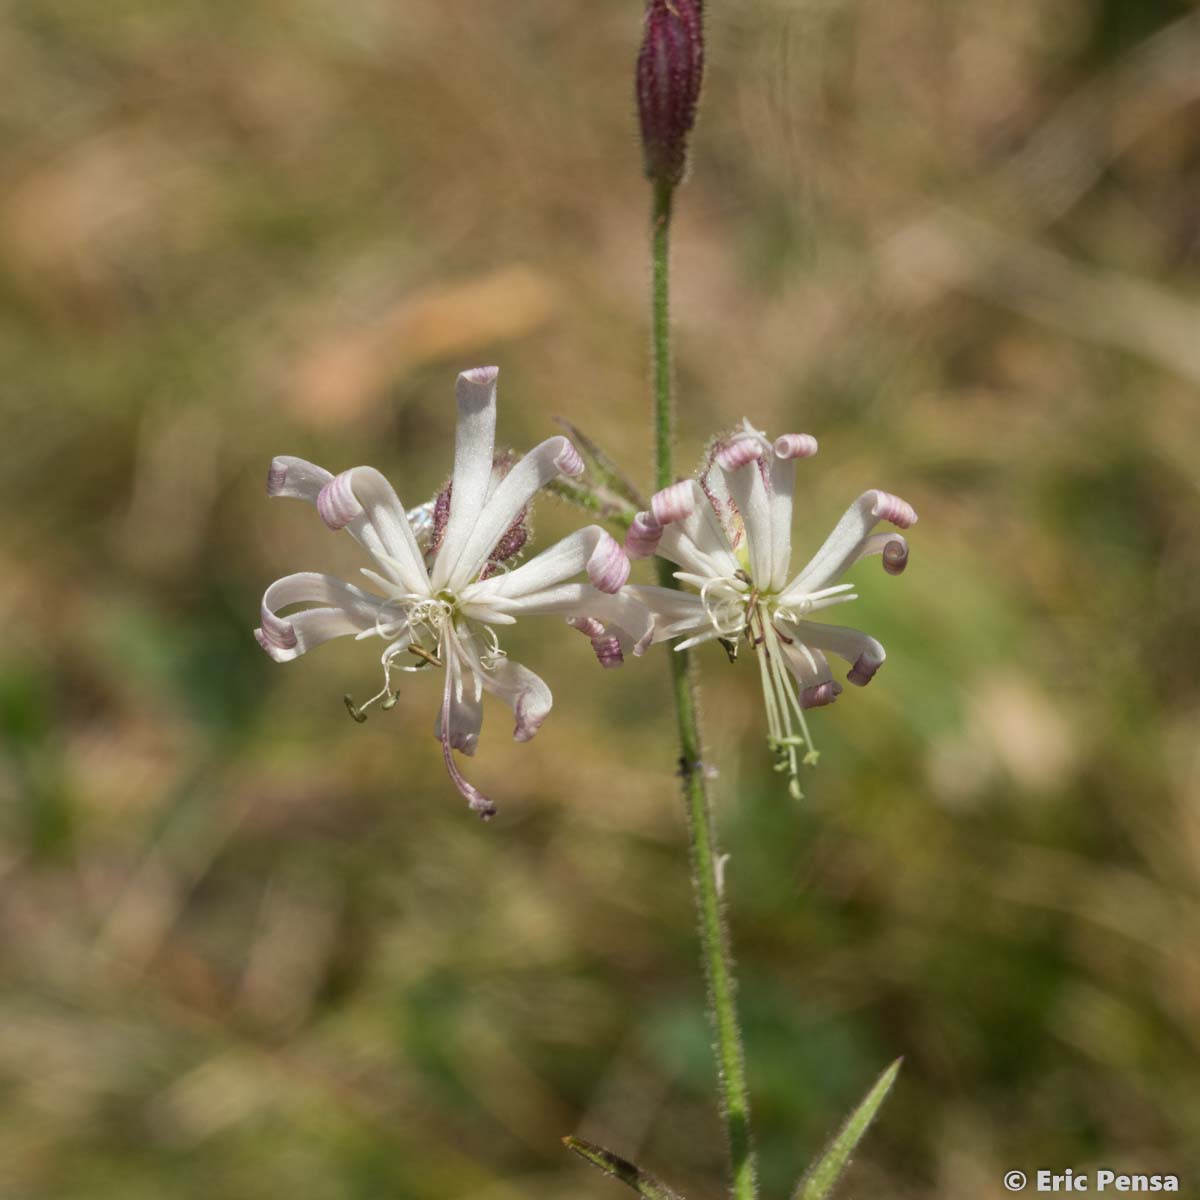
(251, 949)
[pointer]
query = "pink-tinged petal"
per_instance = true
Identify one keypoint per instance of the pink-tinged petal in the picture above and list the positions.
(296, 478)
(474, 449)
(789, 446)
(606, 646)
(737, 453)
(848, 541)
(862, 651)
(641, 541)
(513, 494)
(349, 610)
(674, 503)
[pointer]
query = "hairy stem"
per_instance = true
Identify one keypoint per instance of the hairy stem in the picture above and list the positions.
(704, 853)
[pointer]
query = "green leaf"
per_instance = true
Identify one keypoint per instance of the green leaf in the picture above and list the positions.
(823, 1175)
(641, 1181)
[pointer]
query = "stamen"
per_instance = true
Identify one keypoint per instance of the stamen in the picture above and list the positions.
(787, 728)
(727, 615)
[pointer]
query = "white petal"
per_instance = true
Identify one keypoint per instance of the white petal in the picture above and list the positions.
(786, 450)
(465, 712)
(555, 456)
(456, 663)
(350, 611)
(623, 614)
(591, 549)
(362, 501)
(749, 492)
(523, 691)
(847, 541)
(859, 649)
(810, 668)
(673, 612)
(474, 450)
(296, 477)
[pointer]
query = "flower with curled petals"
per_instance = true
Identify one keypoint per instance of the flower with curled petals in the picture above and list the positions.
(730, 533)
(444, 581)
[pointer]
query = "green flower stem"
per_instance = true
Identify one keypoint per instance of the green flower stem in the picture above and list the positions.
(714, 936)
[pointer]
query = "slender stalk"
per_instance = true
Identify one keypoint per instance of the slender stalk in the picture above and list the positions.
(704, 854)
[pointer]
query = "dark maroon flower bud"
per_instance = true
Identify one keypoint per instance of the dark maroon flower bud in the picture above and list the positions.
(669, 69)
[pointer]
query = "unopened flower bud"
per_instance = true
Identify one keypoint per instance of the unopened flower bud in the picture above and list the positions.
(669, 70)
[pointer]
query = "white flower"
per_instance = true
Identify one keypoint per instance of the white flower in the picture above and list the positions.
(730, 532)
(444, 589)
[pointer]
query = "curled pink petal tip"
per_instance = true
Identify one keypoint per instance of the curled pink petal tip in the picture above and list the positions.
(528, 723)
(674, 503)
(588, 626)
(795, 445)
(738, 453)
(608, 652)
(895, 556)
(864, 670)
(568, 461)
(820, 694)
(644, 534)
(891, 508)
(481, 375)
(606, 646)
(337, 503)
(277, 632)
(608, 568)
(276, 477)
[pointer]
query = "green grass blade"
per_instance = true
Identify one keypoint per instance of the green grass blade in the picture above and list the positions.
(641, 1181)
(823, 1175)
